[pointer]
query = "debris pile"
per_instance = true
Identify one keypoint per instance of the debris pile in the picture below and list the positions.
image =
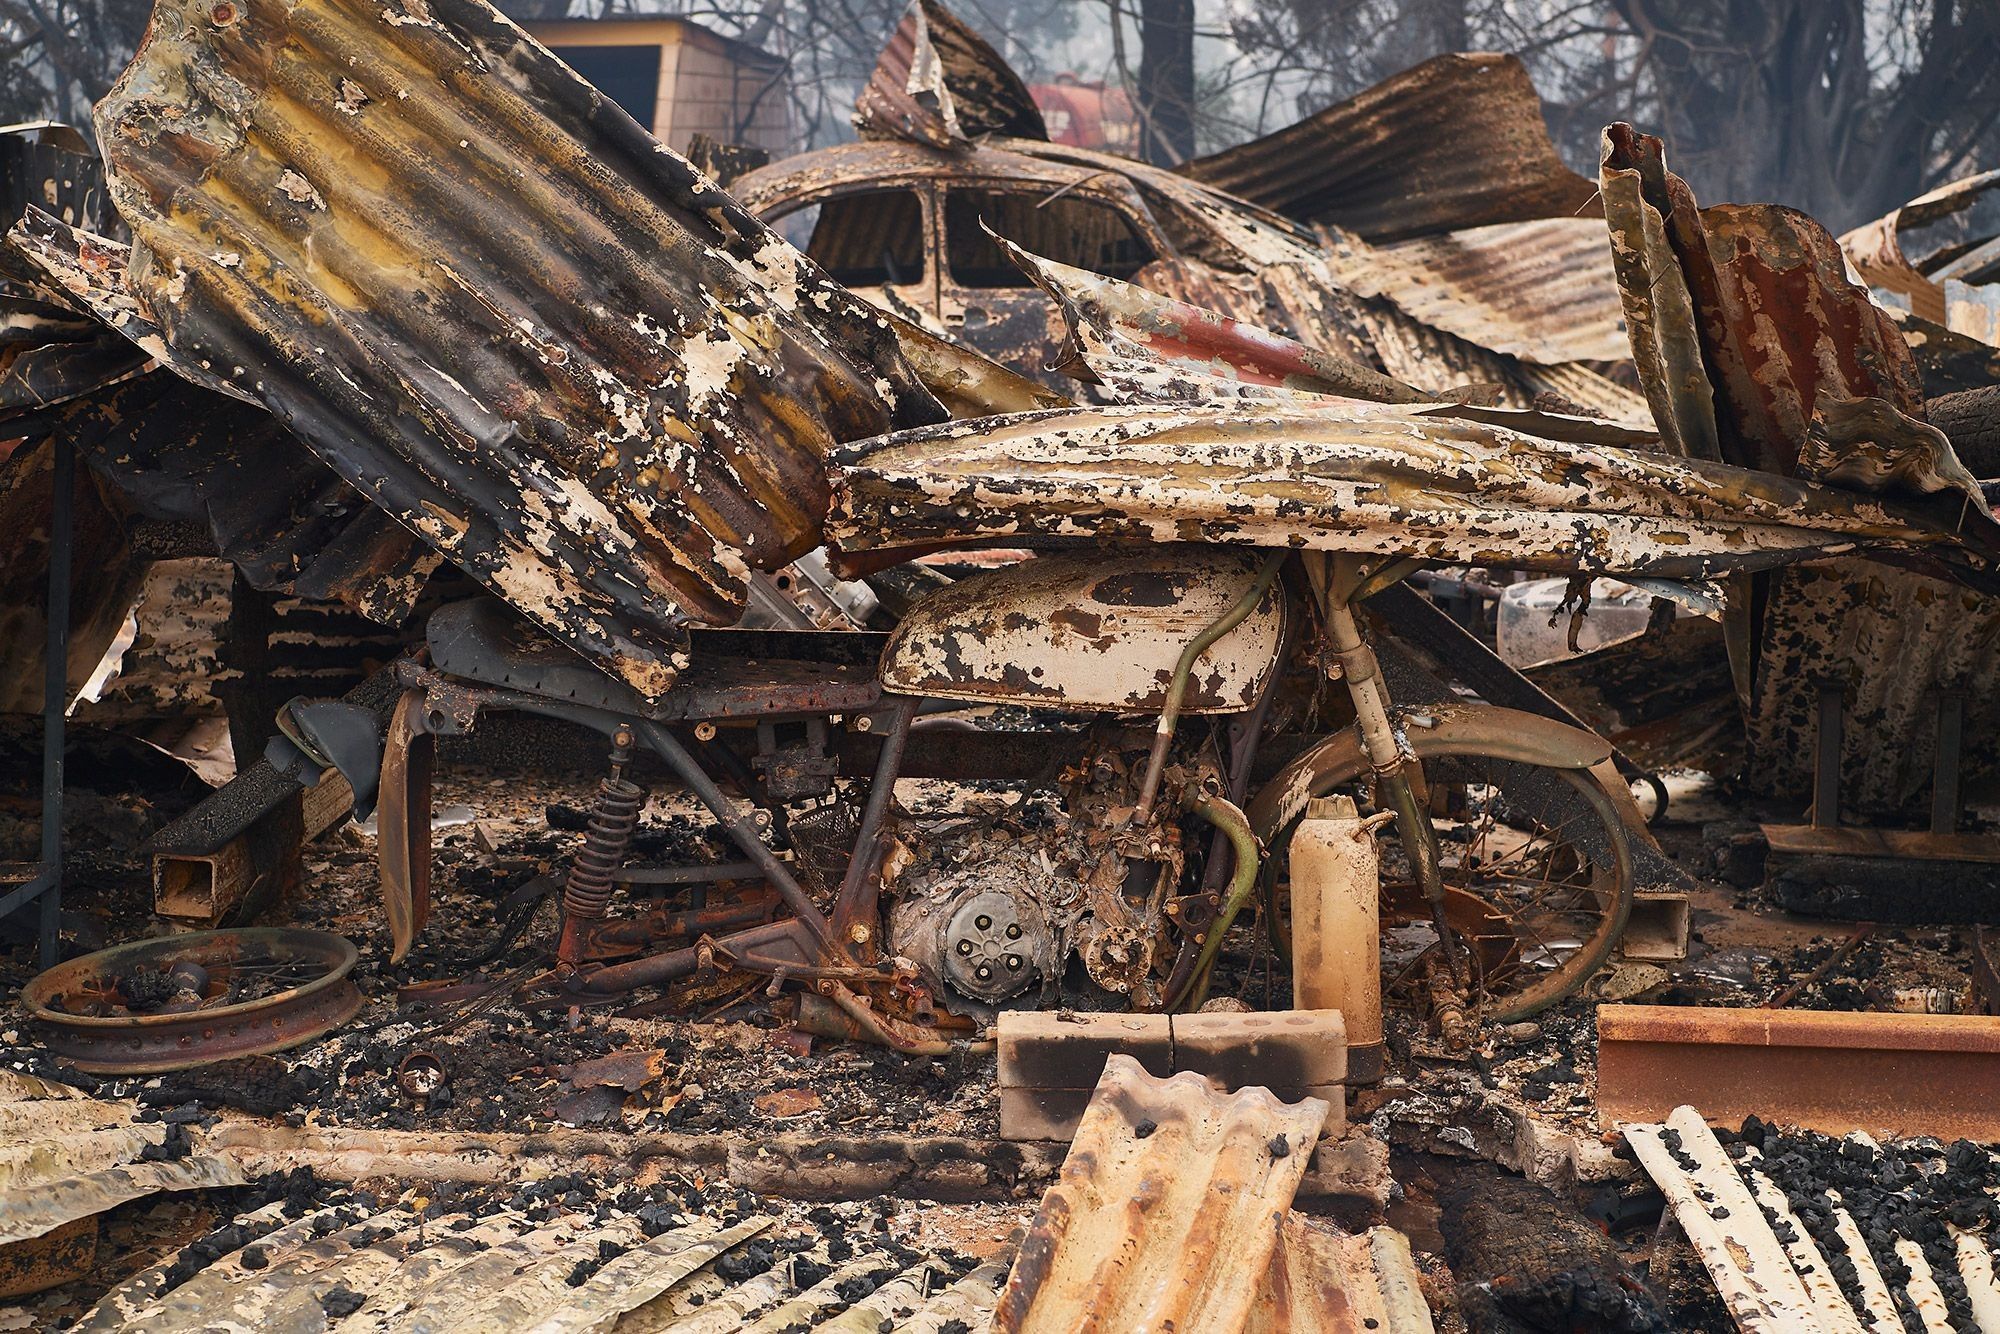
(746, 736)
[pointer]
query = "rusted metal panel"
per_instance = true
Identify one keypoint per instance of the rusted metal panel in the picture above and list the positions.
(1809, 378)
(49, 166)
(1140, 347)
(1457, 141)
(1386, 481)
(1168, 1210)
(1893, 640)
(1541, 290)
(180, 452)
(1091, 631)
(1832, 1071)
(938, 82)
(1779, 324)
(495, 306)
(1913, 249)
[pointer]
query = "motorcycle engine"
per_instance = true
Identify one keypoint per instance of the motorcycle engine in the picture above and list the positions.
(979, 916)
(989, 908)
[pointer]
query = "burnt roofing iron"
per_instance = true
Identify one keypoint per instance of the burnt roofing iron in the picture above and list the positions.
(940, 83)
(494, 305)
(1457, 141)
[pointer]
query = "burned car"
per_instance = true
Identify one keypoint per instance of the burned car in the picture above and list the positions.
(1516, 299)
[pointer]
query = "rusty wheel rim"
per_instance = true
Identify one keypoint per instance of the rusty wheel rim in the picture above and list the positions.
(307, 993)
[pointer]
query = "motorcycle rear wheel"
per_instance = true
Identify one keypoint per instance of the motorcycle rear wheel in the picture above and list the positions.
(1537, 874)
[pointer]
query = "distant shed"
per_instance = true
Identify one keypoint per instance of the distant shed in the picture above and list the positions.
(679, 79)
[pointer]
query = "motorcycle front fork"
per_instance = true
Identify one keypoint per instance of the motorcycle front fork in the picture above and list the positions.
(1394, 763)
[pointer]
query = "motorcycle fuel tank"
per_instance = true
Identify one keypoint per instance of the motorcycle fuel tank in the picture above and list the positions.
(1092, 631)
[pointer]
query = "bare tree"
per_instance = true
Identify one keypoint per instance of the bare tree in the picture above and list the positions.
(57, 57)
(1166, 83)
(1844, 108)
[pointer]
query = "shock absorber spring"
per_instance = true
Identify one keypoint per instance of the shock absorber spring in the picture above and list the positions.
(614, 815)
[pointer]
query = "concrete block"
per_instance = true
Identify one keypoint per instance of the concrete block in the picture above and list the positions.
(1052, 1049)
(1275, 1049)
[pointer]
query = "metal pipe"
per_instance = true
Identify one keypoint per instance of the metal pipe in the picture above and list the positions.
(55, 689)
(742, 831)
(685, 875)
(1387, 755)
(1170, 711)
(659, 969)
(854, 912)
(1229, 818)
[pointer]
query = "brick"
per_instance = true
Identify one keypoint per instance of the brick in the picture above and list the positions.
(1041, 1114)
(1274, 1049)
(1335, 1098)
(1049, 1049)
(1053, 1114)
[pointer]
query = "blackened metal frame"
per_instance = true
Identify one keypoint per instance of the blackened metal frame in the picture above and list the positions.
(46, 885)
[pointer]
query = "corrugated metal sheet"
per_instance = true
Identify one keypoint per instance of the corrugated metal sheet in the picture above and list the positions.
(64, 1158)
(494, 305)
(939, 83)
(351, 1268)
(1455, 142)
(1384, 480)
(1895, 641)
(1168, 1210)
(1325, 1283)
(1542, 291)
(1935, 236)
(1754, 344)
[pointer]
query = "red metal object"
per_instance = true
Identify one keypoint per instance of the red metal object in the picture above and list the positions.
(1913, 1074)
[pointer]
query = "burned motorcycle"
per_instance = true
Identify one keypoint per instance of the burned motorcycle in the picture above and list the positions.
(1155, 718)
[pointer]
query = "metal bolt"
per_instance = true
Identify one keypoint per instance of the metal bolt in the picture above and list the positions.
(1013, 963)
(1013, 931)
(984, 973)
(859, 933)
(864, 724)
(983, 922)
(704, 731)
(965, 947)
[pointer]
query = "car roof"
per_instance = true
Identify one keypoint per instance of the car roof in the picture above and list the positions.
(889, 163)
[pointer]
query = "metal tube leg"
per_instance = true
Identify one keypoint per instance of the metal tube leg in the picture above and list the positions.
(55, 691)
(855, 910)
(742, 831)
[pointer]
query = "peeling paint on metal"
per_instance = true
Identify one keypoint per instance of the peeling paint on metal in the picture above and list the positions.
(507, 320)
(1091, 631)
(1381, 482)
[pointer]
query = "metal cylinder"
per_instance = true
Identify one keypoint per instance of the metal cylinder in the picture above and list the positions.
(1337, 927)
